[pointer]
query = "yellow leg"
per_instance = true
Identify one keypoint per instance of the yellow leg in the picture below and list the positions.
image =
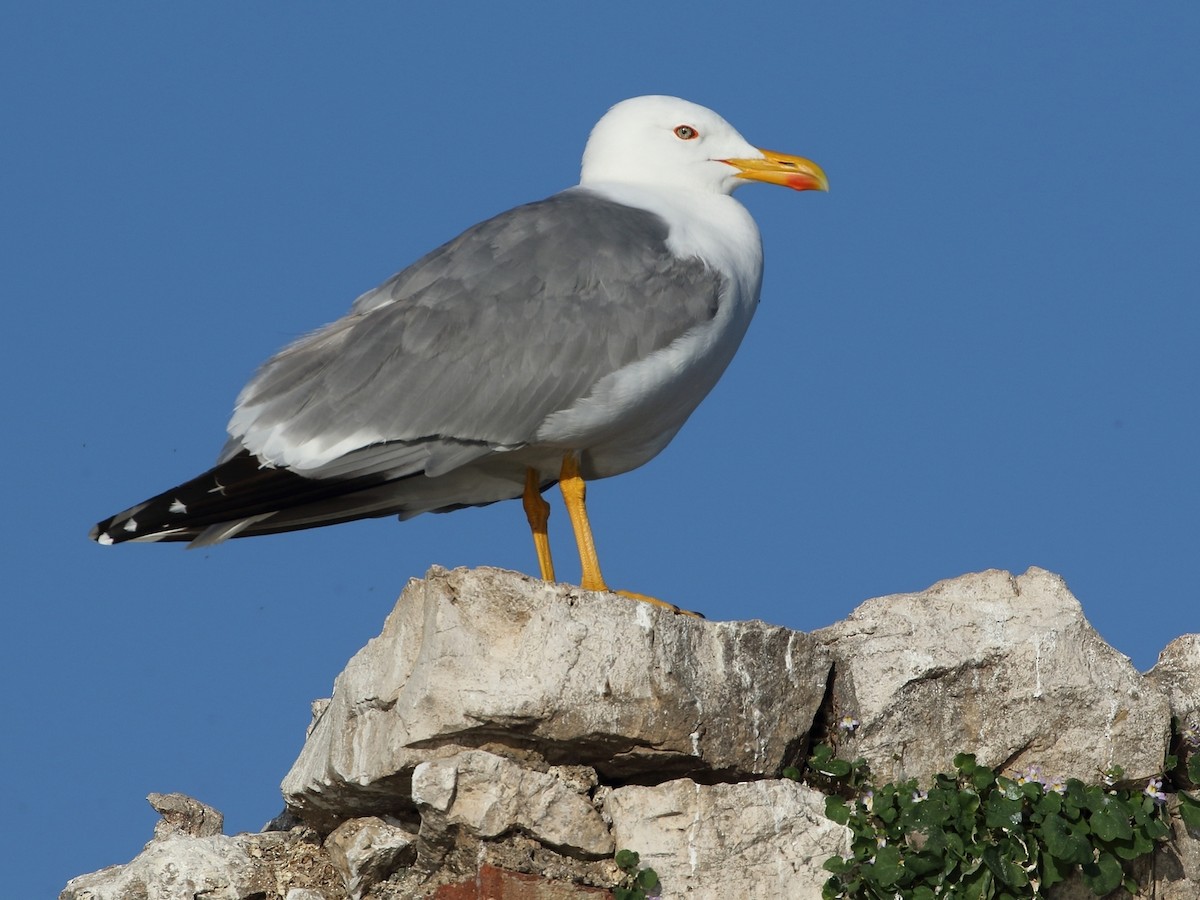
(537, 511)
(574, 492)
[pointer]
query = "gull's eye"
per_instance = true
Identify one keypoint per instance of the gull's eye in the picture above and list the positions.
(686, 133)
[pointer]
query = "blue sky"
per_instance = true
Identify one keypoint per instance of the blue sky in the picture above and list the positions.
(979, 350)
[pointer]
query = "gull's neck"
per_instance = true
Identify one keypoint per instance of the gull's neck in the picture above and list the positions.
(711, 226)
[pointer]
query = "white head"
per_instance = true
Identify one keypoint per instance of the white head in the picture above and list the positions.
(669, 142)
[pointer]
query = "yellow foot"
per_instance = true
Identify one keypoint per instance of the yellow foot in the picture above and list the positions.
(632, 595)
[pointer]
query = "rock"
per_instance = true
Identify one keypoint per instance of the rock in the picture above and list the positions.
(1172, 873)
(490, 796)
(183, 868)
(184, 815)
(1176, 873)
(189, 858)
(712, 842)
(1177, 674)
(1006, 668)
(487, 659)
(503, 736)
(366, 851)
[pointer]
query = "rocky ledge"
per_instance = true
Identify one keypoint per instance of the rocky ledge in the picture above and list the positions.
(503, 737)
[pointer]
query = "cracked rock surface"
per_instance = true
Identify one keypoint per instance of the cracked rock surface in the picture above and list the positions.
(503, 737)
(478, 659)
(1003, 666)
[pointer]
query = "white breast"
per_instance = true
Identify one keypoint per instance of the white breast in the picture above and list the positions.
(630, 415)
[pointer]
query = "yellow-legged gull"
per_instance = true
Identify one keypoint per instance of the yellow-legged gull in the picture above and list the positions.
(562, 341)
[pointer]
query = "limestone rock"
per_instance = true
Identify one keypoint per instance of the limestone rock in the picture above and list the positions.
(184, 815)
(1176, 874)
(1177, 672)
(473, 749)
(494, 660)
(490, 796)
(183, 868)
(366, 851)
(1177, 675)
(712, 842)
(1004, 667)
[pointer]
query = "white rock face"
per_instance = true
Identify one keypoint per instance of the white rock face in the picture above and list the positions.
(485, 658)
(184, 816)
(1004, 667)
(503, 734)
(713, 842)
(366, 851)
(489, 796)
(1177, 673)
(183, 868)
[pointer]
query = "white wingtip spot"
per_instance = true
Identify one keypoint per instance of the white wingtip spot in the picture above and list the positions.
(131, 525)
(104, 538)
(178, 506)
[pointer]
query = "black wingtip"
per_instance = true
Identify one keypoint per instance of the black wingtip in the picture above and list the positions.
(242, 492)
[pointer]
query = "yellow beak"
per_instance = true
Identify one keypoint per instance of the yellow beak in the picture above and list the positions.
(796, 172)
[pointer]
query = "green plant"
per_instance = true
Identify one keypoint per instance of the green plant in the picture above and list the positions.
(636, 883)
(1189, 747)
(976, 835)
(1189, 806)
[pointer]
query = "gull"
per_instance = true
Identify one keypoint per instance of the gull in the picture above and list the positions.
(563, 341)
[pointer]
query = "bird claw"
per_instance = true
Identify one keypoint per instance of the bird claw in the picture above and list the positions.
(645, 598)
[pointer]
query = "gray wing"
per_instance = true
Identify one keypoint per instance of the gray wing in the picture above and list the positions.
(472, 346)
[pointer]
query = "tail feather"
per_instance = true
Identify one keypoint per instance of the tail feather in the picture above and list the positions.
(241, 496)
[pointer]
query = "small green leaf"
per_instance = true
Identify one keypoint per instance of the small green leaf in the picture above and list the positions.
(983, 778)
(627, 860)
(978, 886)
(1034, 792)
(837, 810)
(1050, 805)
(1133, 847)
(887, 868)
(1110, 819)
(1189, 809)
(1005, 870)
(1064, 844)
(1157, 829)
(1002, 812)
(1052, 871)
(1104, 875)
(1193, 768)
(820, 753)
(1075, 798)
(837, 768)
(647, 879)
(836, 864)
(791, 772)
